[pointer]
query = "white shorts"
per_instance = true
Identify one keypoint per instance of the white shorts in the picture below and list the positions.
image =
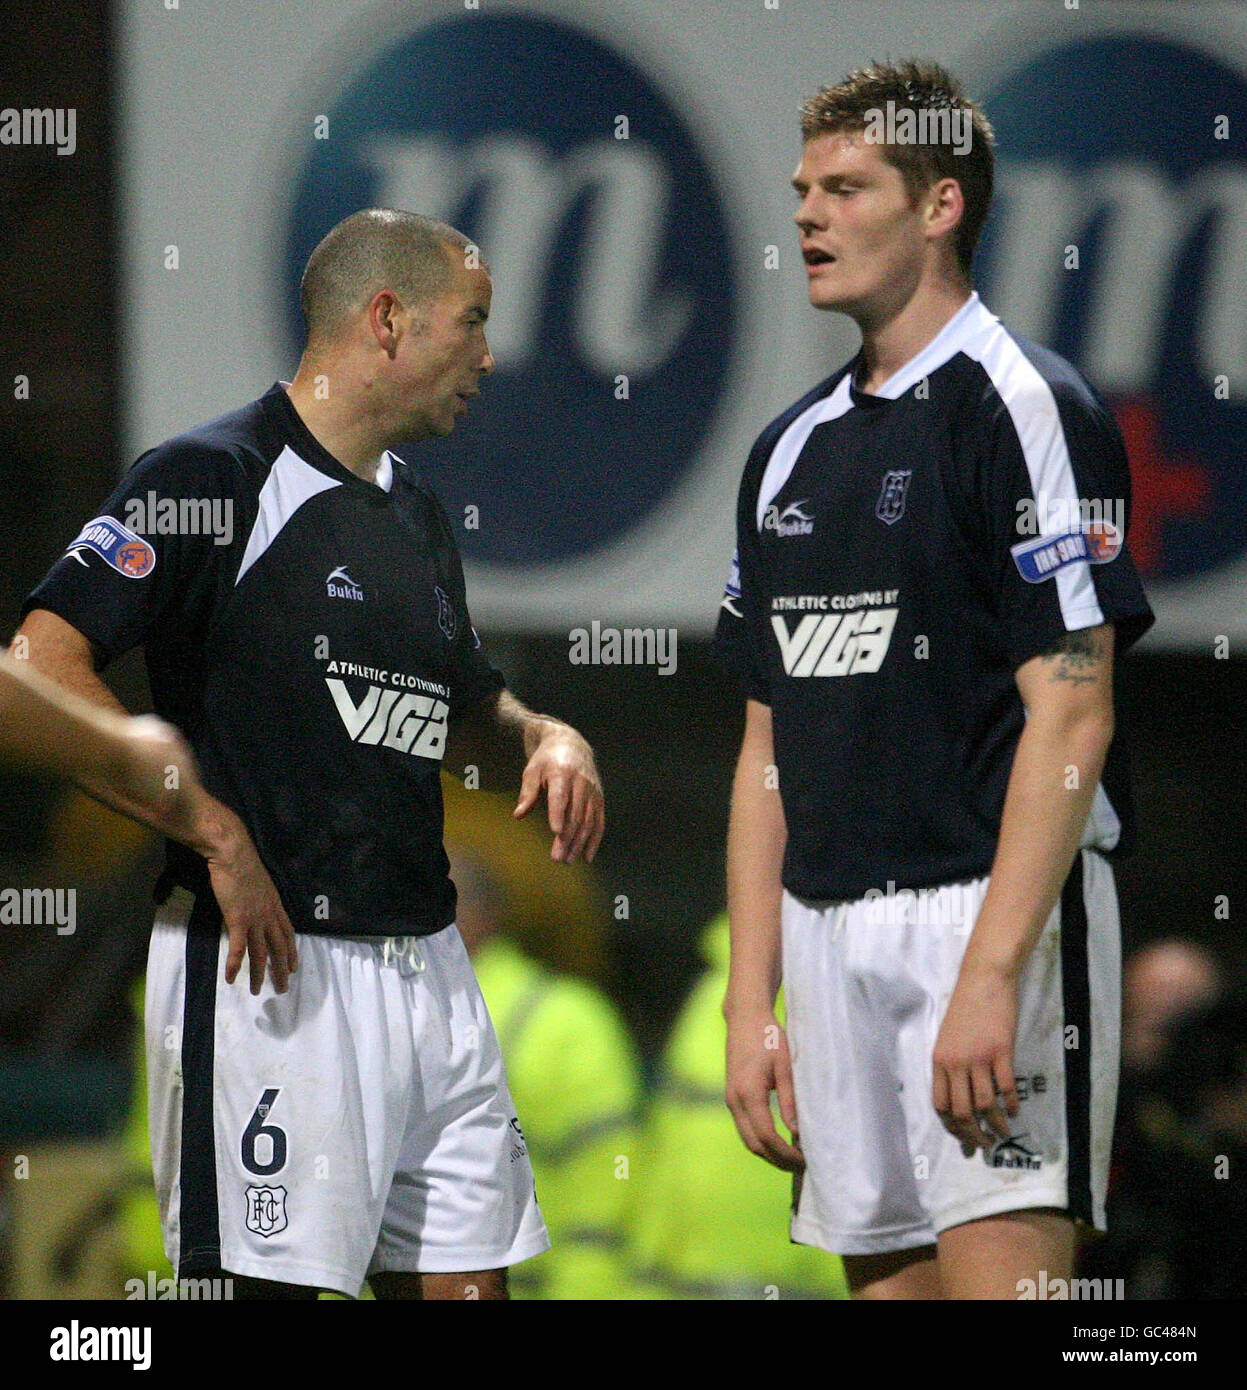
(358, 1123)
(866, 986)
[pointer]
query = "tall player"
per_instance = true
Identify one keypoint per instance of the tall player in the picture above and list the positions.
(925, 622)
(351, 1119)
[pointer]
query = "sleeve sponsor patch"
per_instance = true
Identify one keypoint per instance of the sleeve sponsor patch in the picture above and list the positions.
(1042, 557)
(117, 545)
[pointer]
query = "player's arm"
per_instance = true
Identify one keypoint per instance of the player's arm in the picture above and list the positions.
(504, 740)
(757, 1049)
(135, 765)
(1068, 694)
(249, 903)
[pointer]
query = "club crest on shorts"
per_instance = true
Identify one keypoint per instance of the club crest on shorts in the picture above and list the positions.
(891, 504)
(266, 1210)
(446, 617)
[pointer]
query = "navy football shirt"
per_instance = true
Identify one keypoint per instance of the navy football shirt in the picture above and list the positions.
(309, 633)
(899, 556)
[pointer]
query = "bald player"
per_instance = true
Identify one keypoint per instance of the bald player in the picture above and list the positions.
(348, 1118)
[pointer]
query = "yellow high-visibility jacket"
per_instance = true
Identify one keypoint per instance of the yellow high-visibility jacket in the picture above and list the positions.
(711, 1218)
(574, 1078)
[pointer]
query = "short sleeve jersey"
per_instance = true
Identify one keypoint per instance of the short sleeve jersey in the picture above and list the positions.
(899, 556)
(309, 633)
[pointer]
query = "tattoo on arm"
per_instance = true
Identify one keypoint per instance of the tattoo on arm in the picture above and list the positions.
(1076, 657)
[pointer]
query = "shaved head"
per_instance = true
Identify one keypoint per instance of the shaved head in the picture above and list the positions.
(375, 249)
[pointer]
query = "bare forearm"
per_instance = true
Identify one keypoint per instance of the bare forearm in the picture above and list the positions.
(757, 836)
(497, 737)
(157, 783)
(1051, 787)
(44, 728)
(145, 773)
(1068, 693)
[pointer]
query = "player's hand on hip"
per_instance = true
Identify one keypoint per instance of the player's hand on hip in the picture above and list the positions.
(973, 1087)
(563, 764)
(250, 906)
(758, 1062)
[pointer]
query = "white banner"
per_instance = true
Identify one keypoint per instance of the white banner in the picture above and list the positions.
(625, 168)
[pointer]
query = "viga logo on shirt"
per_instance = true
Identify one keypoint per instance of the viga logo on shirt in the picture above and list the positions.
(412, 723)
(833, 643)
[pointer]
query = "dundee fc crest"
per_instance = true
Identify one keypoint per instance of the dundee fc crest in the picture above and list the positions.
(891, 504)
(446, 618)
(266, 1210)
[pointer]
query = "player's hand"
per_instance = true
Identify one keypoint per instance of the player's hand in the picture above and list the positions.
(973, 1087)
(563, 764)
(250, 906)
(758, 1062)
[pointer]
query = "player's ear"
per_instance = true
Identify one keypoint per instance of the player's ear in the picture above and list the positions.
(385, 319)
(945, 207)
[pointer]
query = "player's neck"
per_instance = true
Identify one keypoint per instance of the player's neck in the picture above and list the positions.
(351, 437)
(899, 335)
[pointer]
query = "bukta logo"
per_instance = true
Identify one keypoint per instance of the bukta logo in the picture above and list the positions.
(1015, 1153)
(792, 521)
(339, 584)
